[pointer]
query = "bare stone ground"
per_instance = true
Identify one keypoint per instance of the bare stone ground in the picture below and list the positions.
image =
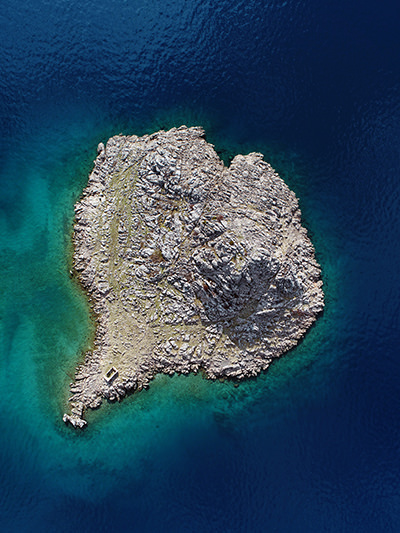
(188, 264)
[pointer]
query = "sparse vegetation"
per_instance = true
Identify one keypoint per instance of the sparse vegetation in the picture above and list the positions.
(156, 256)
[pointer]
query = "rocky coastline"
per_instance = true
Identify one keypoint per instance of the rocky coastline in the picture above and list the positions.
(189, 265)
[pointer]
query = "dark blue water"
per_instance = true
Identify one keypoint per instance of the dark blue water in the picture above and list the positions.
(314, 444)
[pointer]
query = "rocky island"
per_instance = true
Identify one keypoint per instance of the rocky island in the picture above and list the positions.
(189, 265)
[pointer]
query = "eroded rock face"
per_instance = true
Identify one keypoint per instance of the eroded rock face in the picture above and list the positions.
(189, 265)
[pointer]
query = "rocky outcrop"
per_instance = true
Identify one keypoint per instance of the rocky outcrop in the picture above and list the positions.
(188, 264)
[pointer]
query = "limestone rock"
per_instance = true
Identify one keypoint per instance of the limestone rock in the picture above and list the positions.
(188, 264)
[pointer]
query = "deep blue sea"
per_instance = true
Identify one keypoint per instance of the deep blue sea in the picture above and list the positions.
(313, 445)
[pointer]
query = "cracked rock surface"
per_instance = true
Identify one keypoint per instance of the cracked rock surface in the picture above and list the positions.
(188, 265)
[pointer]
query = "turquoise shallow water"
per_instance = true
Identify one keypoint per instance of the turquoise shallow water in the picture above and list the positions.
(313, 444)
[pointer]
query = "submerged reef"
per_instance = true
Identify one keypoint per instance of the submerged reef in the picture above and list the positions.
(188, 265)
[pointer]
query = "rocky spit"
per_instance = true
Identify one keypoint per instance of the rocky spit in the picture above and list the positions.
(189, 265)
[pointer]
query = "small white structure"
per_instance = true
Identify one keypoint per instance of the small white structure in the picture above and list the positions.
(111, 375)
